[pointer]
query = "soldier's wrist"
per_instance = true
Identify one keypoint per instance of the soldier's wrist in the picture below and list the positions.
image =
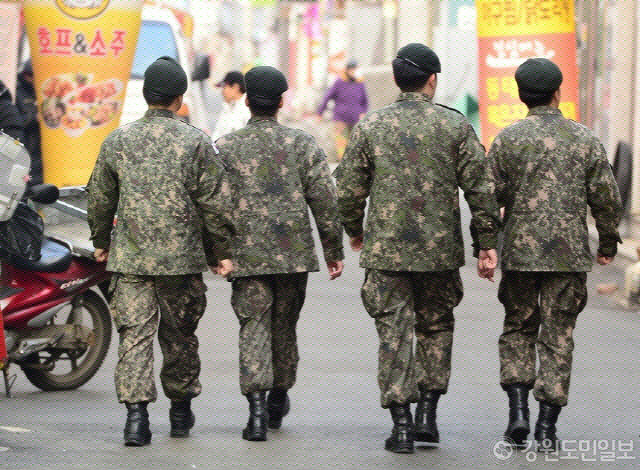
(608, 252)
(334, 255)
(487, 242)
(354, 232)
(101, 243)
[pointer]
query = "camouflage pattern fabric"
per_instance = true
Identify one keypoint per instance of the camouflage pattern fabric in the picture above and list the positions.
(171, 306)
(165, 181)
(277, 173)
(541, 311)
(268, 308)
(548, 171)
(410, 158)
(407, 305)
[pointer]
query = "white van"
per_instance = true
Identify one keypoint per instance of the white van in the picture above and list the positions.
(160, 35)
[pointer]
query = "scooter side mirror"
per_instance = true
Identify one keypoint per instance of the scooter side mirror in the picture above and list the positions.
(43, 193)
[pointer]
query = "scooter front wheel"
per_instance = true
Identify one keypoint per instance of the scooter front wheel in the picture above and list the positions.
(55, 370)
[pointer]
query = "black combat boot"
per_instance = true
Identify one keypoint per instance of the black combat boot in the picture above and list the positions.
(401, 440)
(518, 428)
(181, 417)
(546, 427)
(278, 406)
(136, 431)
(426, 428)
(256, 429)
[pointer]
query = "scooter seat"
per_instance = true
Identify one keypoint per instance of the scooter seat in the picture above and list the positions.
(55, 258)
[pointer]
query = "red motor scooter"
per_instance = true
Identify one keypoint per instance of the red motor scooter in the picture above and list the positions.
(57, 327)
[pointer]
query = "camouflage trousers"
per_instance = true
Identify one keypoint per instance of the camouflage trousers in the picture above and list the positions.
(541, 312)
(171, 306)
(268, 308)
(408, 305)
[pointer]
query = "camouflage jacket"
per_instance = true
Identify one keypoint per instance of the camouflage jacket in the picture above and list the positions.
(548, 170)
(276, 173)
(410, 158)
(166, 183)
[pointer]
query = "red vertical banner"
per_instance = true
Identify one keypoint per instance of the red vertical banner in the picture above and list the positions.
(510, 32)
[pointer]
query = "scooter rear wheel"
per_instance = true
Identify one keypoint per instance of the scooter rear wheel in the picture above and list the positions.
(83, 366)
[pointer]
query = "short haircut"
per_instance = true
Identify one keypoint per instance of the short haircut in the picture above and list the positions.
(408, 77)
(153, 99)
(264, 107)
(243, 90)
(533, 100)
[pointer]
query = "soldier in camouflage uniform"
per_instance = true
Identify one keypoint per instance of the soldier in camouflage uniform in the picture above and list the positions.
(548, 170)
(410, 158)
(166, 183)
(276, 174)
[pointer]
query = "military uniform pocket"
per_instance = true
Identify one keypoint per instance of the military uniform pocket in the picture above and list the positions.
(385, 294)
(566, 293)
(195, 300)
(113, 284)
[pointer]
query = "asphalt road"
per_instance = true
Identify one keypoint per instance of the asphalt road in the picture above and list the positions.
(336, 421)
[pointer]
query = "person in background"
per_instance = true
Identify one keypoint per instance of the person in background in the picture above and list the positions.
(351, 103)
(11, 123)
(28, 107)
(235, 114)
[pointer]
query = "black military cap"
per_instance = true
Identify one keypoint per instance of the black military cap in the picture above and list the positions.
(265, 83)
(165, 78)
(232, 78)
(538, 77)
(421, 57)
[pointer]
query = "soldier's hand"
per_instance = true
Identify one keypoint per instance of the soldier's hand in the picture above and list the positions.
(357, 243)
(224, 268)
(101, 255)
(335, 269)
(487, 264)
(485, 273)
(605, 260)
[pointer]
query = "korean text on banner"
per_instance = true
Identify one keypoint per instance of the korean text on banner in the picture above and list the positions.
(9, 37)
(510, 32)
(82, 53)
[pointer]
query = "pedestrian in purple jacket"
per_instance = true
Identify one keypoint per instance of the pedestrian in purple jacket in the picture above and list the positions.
(351, 103)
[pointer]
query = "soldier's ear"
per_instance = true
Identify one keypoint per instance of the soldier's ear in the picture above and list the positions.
(433, 80)
(281, 104)
(246, 101)
(178, 102)
(555, 101)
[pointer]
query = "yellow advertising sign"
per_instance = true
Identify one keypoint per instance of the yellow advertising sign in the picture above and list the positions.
(524, 17)
(82, 9)
(510, 32)
(82, 51)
